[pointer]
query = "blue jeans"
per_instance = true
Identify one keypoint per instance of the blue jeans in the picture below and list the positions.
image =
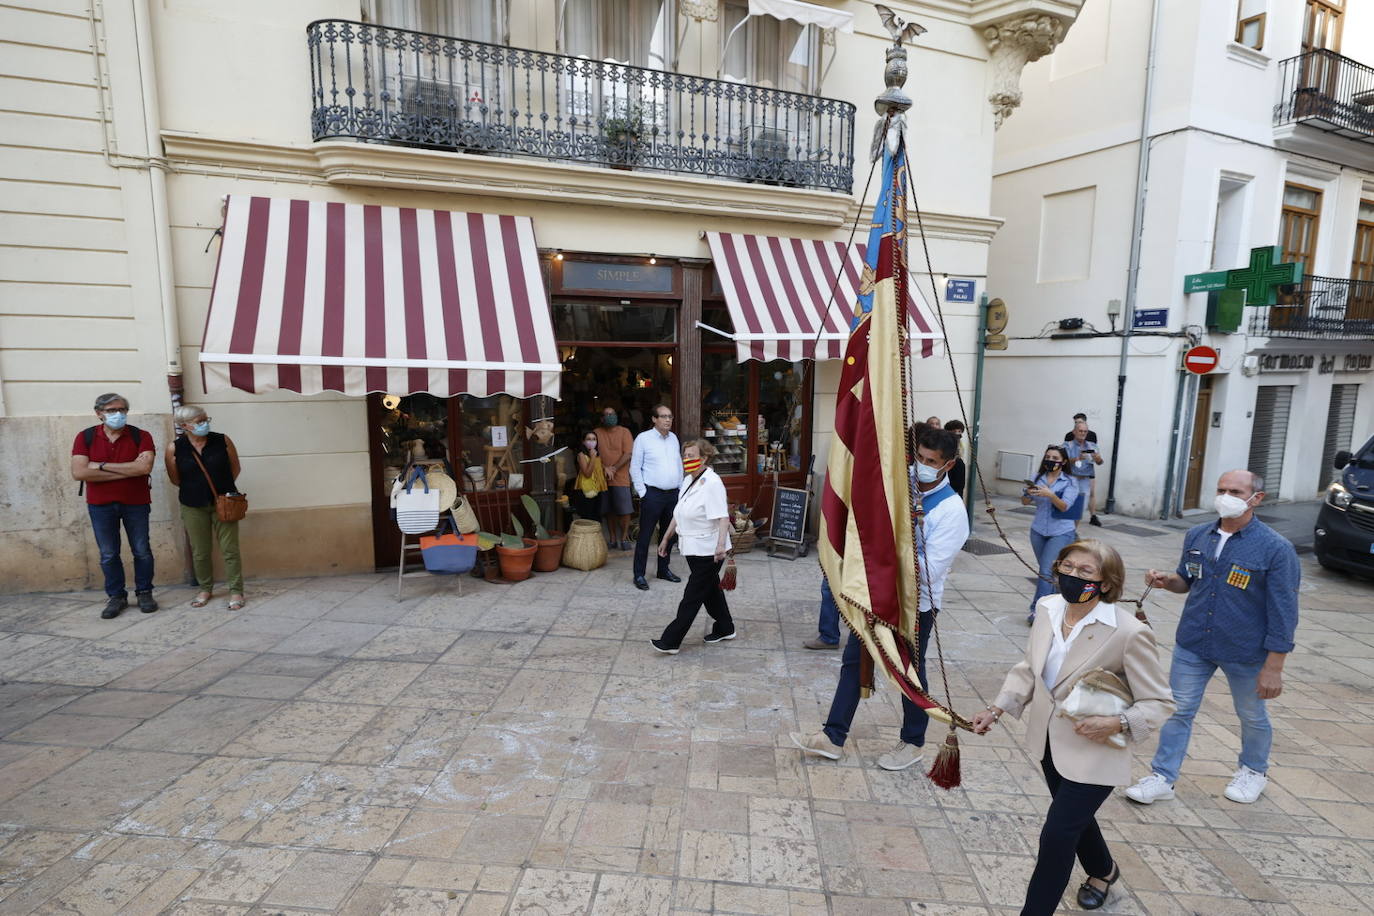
(828, 626)
(1188, 677)
(846, 701)
(105, 521)
(1046, 548)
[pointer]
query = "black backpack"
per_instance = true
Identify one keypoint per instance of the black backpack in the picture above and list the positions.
(88, 436)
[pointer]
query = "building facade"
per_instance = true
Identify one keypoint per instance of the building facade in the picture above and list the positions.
(347, 228)
(1257, 129)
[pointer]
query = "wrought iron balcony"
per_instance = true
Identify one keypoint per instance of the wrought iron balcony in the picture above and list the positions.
(384, 85)
(1321, 307)
(1328, 92)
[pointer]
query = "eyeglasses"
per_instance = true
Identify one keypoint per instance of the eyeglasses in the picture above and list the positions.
(1082, 572)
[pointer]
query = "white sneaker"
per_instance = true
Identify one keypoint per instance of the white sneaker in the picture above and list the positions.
(1150, 790)
(901, 757)
(1246, 786)
(818, 744)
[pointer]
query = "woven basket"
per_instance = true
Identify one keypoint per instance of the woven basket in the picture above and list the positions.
(745, 540)
(585, 548)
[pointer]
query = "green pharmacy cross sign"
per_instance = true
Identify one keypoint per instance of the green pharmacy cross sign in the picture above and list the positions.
(1258, 280)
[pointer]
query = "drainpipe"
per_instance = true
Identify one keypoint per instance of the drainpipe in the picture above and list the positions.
(157, 183)
(1137, 230)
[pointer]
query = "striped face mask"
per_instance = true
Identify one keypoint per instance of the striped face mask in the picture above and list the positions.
(691, 465)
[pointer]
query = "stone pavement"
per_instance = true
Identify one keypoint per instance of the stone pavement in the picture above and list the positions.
(519, 748)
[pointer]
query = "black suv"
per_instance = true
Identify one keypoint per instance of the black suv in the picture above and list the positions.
(1345, 525)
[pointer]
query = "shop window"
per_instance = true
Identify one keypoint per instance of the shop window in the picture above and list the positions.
(1250, 24)
(782, 407)
(725, 410)
(490, 441)
(413, 428)
(614, 320)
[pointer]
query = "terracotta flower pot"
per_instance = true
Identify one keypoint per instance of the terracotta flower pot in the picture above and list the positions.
(516, 561)
(549, 552)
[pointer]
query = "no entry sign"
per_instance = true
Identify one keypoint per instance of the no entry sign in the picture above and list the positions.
(1200, 360)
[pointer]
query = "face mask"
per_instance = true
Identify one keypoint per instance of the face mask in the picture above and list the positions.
(590, 444)
(609, 419)
(1078, 591)
(116, 419)
(691, 465)
(201, 429)
(927, 474)
(1047, 466)
(1229, 506)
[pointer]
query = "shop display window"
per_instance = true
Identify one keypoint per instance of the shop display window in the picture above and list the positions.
(614, 321)
(725, 410)
(490, 441)
(471, 437)
(755, 413)
(782, 407)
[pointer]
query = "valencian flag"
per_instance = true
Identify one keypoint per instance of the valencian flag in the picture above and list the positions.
(866, 527)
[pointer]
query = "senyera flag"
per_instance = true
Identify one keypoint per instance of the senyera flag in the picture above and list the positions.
(866, 527)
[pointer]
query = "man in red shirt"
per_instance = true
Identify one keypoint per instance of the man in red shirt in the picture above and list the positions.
(113, 461)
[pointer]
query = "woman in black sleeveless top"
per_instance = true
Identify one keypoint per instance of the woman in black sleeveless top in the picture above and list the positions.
(216, 451)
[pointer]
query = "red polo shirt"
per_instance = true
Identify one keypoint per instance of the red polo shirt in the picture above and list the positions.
(132, 491)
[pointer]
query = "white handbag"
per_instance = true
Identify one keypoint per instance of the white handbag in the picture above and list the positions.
(417, 508)
(1098, 693)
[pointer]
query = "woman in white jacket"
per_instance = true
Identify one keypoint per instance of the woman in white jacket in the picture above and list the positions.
(701, 522)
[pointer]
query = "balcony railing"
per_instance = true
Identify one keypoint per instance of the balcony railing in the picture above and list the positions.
(385, 85)
(1329, 92)
(1321, 307)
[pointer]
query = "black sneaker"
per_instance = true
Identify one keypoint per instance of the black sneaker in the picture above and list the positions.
(146, 604)
(719, 637)
(661, 646)
(1093, 521)
(114, 606)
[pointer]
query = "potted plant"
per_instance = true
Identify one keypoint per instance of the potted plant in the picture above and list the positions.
(487, 566)
(516, 553)
(548, 554)
(621, 135)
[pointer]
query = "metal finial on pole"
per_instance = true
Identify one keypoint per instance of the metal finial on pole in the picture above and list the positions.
(893, 103)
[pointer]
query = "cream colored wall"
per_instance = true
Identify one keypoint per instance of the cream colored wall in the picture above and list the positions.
(78, 272)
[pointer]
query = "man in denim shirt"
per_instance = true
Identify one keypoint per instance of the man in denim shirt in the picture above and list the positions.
(1241, 578)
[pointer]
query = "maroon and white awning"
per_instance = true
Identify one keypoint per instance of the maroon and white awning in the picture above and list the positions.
(793, 298)
(315, 296)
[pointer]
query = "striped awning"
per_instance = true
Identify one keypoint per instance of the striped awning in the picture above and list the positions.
(314, 296)
(793, 298)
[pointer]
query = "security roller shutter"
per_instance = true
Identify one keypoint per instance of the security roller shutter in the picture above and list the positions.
(1269, 434)
(1340, 428)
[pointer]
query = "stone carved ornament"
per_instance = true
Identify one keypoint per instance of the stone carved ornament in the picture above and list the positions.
(700, 10)
(1014, 43)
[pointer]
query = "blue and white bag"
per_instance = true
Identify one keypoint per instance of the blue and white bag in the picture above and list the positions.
(417, 508)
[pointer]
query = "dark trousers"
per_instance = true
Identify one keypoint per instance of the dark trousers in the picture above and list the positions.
(846, 701)
(105, 522)
(655, 511)
(703, 588)
(1070, 829)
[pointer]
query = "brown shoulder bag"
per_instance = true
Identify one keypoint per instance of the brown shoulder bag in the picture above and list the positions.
(229, 507)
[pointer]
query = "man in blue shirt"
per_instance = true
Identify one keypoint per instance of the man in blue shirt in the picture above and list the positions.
(1241, 578)
(656, 473)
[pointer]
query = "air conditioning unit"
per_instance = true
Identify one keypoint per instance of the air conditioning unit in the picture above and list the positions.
(767, 142)
(1015, 466)
(440, 99)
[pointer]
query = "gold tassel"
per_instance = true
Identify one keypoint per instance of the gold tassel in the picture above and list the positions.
(945, 771)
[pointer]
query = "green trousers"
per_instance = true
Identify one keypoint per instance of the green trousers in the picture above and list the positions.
(202, 525)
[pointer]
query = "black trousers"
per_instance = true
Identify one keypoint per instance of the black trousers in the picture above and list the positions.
(1070, 829)
(655, 511)
(703, 588)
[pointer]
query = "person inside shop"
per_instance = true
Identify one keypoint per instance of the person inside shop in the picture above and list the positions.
(701, 524)
(656, 471)
(113, 461)
(1084, 457)
(1082, 635)
(958, 475)
(200, 464)
(589, 489)
(615, 447)
(1053, 493)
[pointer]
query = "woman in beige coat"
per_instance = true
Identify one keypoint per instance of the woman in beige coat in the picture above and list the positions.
(1074, 632)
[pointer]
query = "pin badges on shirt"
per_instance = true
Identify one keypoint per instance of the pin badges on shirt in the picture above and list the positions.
(1239, 577)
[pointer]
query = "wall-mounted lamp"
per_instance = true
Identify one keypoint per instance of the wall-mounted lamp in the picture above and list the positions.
(558, 254)
(653, 259)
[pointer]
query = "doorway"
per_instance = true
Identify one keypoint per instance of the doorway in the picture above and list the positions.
(1269, 434)
(1340, 429)
(1197, 453)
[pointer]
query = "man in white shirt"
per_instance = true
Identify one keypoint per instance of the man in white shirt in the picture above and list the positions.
(655, 473)
(939, 538)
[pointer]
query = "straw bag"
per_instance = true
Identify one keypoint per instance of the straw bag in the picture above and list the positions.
(229, 507)
(585, 548)
(465, 516)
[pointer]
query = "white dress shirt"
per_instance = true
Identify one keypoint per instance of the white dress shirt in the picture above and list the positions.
(656, 461)
(698, 513)
(1056, 607)
(939, 539)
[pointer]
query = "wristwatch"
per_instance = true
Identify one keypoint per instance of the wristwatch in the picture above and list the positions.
(102, 466)
(1125, 724)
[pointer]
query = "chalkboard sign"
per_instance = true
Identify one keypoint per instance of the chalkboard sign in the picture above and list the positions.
(789, 515)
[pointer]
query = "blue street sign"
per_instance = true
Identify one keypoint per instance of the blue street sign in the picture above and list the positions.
(959, 290)
(1151, 318)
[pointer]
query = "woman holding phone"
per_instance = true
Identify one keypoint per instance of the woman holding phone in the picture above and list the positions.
(1053, 492)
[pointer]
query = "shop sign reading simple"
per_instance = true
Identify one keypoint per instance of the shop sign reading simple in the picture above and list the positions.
(632, 278)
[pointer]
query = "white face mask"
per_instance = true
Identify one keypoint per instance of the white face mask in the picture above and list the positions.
(1229, 506)
(927, 474)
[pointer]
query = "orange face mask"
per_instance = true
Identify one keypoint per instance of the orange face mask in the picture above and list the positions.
(691, 465)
